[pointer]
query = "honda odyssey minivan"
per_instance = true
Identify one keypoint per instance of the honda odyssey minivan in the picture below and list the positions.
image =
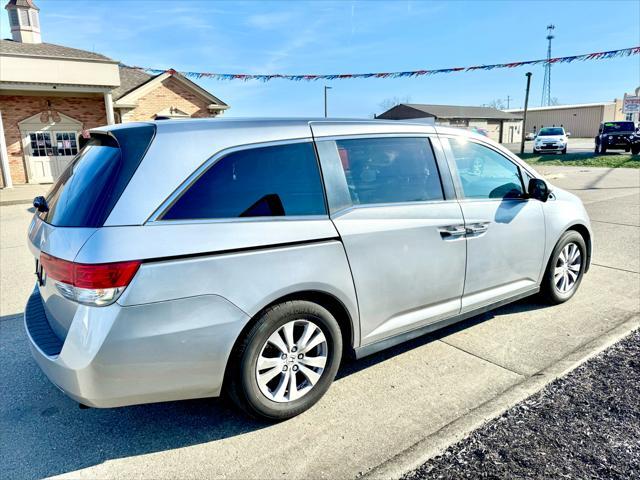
(191, 258)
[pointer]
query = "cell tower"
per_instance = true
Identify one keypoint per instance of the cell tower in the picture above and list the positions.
(546, 85)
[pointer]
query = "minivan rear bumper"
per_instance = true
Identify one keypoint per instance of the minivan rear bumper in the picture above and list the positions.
(115, 356)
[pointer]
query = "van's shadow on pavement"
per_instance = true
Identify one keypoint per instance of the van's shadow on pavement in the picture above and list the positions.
(45, 433)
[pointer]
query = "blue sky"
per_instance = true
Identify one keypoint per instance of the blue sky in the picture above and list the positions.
(358, 36)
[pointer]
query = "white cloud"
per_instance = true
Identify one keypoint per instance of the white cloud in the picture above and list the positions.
(269, 21)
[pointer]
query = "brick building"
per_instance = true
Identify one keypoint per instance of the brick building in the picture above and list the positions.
(50, 93)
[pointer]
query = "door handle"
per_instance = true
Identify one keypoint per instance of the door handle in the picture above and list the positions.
(477, 228)
(452, 231)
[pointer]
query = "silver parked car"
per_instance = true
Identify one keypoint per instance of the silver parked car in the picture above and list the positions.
(184, 259)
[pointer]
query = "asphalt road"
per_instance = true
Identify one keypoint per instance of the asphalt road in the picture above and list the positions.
(576, 145)
(378, 407)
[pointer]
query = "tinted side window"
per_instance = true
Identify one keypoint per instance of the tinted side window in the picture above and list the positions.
(485, 173)
(259, 182)
(390, 170)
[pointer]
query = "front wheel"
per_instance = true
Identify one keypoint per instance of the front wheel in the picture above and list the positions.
(565, 269)
(635, 150)
(564, 151)
(603, 149)
(286, 362)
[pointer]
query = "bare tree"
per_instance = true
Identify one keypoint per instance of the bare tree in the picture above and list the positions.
(497, 104)
(389, 103)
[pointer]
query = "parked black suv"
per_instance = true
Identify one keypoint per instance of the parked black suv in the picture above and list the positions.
(617, 136)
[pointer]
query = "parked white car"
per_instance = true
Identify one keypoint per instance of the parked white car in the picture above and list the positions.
(551, 139)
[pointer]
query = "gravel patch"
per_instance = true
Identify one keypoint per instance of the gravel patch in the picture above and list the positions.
(584, 425)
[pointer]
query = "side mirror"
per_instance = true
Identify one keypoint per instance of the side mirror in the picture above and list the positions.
(568, 134)
(538, 189)
(40, 204)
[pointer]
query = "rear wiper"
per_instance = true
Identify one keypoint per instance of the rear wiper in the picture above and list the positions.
(40, 204)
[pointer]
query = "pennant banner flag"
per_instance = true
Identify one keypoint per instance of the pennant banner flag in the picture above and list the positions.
(624, 52)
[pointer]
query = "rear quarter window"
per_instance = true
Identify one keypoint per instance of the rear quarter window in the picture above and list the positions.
(273, 181)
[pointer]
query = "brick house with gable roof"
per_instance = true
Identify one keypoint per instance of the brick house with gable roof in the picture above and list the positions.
(50, 93)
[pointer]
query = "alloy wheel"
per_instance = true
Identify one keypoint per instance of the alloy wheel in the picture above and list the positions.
(291, 361)
(567, 269)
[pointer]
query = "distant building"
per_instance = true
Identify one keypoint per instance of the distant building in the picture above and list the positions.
(581, 120)
(50, 93)
(500, 126)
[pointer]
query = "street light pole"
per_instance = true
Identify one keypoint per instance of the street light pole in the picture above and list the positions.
(325, 100)
(524, 116)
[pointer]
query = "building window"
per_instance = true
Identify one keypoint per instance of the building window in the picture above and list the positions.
(13, 18)
(34, 19)
(66, 144)
(629, 117)
(459, 122)
(41, 145)
(24, 16)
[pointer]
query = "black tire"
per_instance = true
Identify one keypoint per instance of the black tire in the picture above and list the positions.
(603, 149)
(564, 151)
(597, 149)
(548, 288)
(635, 150)
(242, 385)
(627, 149)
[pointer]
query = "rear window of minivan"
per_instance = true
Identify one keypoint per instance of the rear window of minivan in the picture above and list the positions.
(88, 189)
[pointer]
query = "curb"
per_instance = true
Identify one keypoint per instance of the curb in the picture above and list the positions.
(434, 444)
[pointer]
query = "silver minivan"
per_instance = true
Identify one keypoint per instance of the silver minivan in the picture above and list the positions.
(190, 258)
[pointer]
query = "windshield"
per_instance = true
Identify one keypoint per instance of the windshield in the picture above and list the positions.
(610, 127)
(546, 132)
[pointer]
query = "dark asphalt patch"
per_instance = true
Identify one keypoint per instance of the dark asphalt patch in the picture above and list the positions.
(584, 425)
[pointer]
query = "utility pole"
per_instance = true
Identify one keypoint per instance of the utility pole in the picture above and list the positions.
(508, 101)
(526, 106)
(325, 100)
(546, 84)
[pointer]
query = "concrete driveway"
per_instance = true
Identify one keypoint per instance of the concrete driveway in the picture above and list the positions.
(390, 409)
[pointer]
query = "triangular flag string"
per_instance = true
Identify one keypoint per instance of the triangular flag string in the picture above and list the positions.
(624, 52)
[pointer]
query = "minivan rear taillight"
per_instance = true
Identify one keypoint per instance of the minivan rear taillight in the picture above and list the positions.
(89, 284)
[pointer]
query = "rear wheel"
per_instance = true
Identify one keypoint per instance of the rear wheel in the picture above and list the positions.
(286, 361)
(565, 268)
(635, 149)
